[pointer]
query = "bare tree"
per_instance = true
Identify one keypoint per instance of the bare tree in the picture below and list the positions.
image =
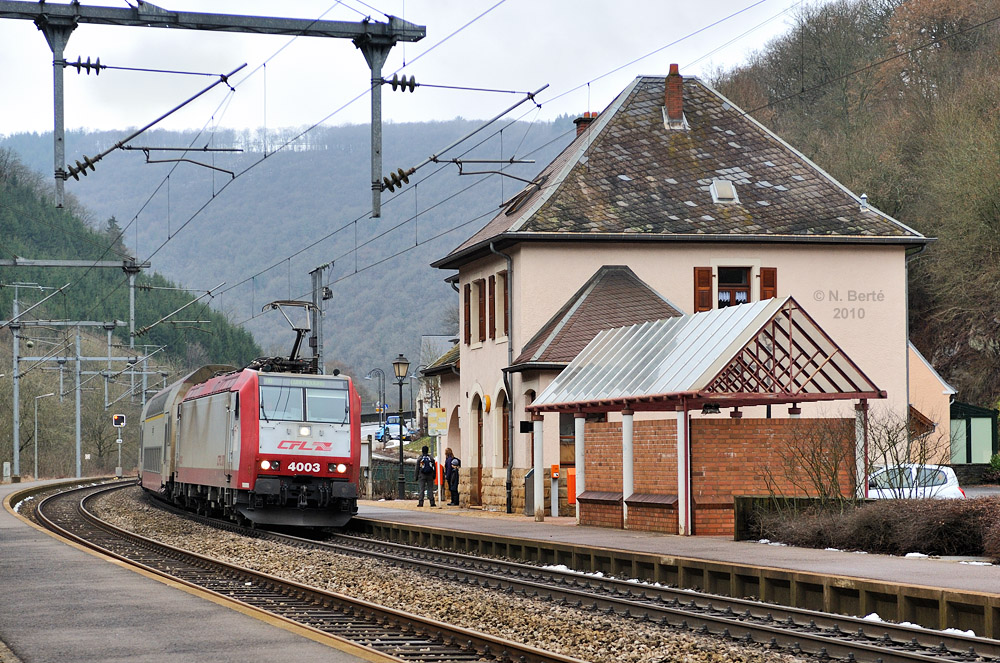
(816, 461)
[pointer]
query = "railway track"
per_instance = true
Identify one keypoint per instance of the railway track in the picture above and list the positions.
(392, 634)
(797, 631)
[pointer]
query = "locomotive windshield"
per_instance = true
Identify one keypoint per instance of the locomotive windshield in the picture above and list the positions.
(304, 399)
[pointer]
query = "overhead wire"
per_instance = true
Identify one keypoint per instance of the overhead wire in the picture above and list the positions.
(215, 194)
(367, 90)
(929, 43)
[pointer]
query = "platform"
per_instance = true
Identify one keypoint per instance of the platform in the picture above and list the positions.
(963, 574)
(61, 603)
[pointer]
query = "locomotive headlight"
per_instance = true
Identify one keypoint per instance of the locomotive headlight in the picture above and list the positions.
(341, 468)
(305, 431)
(270, 465)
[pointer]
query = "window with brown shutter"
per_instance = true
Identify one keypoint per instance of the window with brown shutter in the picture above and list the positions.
(505, 294)
(481, 297)
(768, 282)
(468, 313)
(732, 286)
(702, 289)
(493, 306)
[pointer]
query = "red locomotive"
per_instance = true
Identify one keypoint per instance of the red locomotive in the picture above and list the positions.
(271, 444)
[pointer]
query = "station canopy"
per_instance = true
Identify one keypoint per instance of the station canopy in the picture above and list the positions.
(767, 352)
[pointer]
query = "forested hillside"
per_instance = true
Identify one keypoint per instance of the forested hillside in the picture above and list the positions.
(901, 100)
(290, 211)
(898, 100)
(31, 228)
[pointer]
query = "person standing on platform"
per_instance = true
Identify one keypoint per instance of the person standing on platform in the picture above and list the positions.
(426, 469)
(451, 465)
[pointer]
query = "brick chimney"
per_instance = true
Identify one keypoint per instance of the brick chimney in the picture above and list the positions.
(584, 121)
(673, 100)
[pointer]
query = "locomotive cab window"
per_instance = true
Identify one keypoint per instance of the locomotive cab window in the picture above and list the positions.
(327, 406)
(304, 399)
(281, 403)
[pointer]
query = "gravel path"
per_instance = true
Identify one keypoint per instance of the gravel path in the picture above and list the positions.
(569, 631)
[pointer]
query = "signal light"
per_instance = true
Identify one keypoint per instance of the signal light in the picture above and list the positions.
(397, 179)
(403, 83)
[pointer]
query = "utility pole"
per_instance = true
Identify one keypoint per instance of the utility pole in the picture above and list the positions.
(320, 293)
(57, 21)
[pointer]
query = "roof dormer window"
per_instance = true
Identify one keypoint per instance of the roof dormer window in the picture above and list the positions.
(724, 191)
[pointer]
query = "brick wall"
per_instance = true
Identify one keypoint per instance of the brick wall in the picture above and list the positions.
(603, 457)
(653, 518)
(601, 515)
(728, 457)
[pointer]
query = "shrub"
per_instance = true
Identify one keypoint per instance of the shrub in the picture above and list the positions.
(992, 473)
(896, 527)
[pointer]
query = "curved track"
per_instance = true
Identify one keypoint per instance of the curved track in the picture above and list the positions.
(395, 635)
(792, 630)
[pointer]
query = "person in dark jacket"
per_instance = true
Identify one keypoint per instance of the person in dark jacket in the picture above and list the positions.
(451, 465)
(426, 471)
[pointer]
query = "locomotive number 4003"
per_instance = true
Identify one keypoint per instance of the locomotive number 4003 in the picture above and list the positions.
(303, 467)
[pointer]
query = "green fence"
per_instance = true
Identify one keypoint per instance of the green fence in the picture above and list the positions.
(385, 478)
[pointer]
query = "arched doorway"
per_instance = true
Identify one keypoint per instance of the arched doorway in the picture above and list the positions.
(454, 442)
(504, 433)
(476, 476)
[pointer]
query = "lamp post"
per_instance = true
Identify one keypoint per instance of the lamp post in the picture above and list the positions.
(380, 388)
(400, 367)
(36, 430)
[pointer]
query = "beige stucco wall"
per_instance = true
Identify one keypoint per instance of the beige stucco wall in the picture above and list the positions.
(932, 396)
(855, 293)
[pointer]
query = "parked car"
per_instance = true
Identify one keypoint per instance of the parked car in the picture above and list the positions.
(912, 480)
(390, 431)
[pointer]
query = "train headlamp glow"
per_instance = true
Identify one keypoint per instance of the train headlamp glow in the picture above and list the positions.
(270, 465)
(340, 469)
(305, 430)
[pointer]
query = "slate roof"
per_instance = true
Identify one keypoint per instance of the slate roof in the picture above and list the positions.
(613, 297)
(629, 177)
(444, 363)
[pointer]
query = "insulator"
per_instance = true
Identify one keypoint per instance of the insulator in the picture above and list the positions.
(397, 179)
(81, 168)
(403, 83)
(81, 65)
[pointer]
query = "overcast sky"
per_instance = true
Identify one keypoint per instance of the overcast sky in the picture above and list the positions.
(571, 45)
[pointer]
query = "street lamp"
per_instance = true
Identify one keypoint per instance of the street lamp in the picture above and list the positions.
(400, 367)
(36, 429)
(380, 388)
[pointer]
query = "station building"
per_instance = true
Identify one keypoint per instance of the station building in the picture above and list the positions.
(671, 202)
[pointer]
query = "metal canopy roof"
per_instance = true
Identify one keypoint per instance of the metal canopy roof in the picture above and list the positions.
(753, 354)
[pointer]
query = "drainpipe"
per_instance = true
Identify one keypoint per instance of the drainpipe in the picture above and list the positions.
(508, 299)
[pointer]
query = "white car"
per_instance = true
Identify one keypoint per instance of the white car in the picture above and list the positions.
(914, 481)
